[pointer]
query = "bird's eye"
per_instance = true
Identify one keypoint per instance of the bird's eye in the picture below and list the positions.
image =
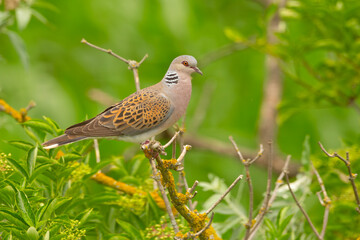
(185, 63)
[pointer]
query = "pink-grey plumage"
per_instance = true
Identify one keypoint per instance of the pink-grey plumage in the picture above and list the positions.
(143, 114)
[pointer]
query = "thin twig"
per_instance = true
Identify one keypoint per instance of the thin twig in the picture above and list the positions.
(166, 200)
(171, 140)
(247, 164)
(352, 175)
(224, 194)
(300, 207)
(180, 160)
(326, 202)
(259, 218)
(97, 152)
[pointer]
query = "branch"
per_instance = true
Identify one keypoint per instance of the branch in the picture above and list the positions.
(21, 115)
(132, 64)
(247, 164)
(127, 189)
(352, 175)
(195, 219)
(300, 207)
(326, 202)
(224, 194)
(265, 207)
(164, 196)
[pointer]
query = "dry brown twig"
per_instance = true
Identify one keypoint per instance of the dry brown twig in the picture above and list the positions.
(352, 175)
(326, 202)
(247, 163)
(266, 205)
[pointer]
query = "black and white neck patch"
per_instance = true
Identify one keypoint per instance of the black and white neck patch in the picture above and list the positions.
(171, 77)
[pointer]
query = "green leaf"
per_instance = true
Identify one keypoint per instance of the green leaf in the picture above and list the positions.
(23, 16)
(39, 125)
(52, 205)
(25, 208)
(53, 124)
(71, 157)
(130, 230)
(85, 217)
(32, 233)
(47, 236)
(14, 218)
(18, 167)
(31, 160)
(19, 46)
(40, 170)
(21, 145)
(31, 135)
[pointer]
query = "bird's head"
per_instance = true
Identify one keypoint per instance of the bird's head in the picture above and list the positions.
(186, 64)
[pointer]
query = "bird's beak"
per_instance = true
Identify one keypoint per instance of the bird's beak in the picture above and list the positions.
(196, 69)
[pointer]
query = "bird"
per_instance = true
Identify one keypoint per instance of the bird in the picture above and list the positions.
(143, 114)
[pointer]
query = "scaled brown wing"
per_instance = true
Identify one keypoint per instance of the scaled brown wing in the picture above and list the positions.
(138, 113)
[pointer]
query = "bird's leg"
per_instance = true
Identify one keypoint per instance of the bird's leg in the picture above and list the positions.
(154, 148)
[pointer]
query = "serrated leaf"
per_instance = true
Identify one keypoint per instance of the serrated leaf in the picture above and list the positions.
(32, 233)
(31, 160)
(19, 46)
(18, 167)
(37, 124)
(25, 208)
(130, 230)
(23, 145)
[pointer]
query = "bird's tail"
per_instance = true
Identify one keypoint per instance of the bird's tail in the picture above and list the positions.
(61, 140)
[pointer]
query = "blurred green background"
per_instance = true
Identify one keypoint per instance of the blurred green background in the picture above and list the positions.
(57, 71)
(44, 61)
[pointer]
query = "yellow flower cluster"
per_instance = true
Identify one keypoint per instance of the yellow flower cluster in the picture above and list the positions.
(4, 164)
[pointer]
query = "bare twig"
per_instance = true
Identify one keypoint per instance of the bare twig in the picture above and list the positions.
(224, 194)
(97, 152)
(326, 202)
(171, 140)
(180, 160)
(132, 64)
(265, 207)
(247, 163)
(163, 194)
(300, 207)
(352, 175)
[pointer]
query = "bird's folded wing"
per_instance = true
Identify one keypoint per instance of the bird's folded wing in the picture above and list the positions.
(138, 113)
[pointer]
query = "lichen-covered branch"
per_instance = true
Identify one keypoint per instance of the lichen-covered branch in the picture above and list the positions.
(196, 220)
(125, 188)
(21, 115)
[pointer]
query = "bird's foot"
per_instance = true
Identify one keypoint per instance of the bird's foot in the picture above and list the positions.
(153, 147)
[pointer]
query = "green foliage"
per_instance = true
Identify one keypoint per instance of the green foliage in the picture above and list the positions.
(48, 195)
